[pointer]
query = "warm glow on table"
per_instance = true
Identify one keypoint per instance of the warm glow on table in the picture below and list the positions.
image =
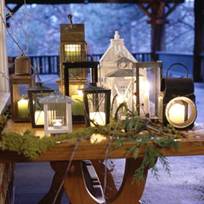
(99, 118)
(23, 107)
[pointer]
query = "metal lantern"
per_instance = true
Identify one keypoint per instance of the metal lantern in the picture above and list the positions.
(19, 85)
(22, 65)
(148, 76)
(57, 114)
(97, 105)
(73, 48)
(122, 85)
(36, 108)
(75, 90)
(178, 100)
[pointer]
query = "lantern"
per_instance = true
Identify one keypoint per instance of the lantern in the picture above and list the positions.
(148, 76)
(113, 58)
(57, 114)
(178, 100)
(19, 85)
(72, 49)
(97, 105)
(122, 85)
(74, 90)
(36, 108)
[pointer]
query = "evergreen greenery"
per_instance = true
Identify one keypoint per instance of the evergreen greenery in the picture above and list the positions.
(141, 133)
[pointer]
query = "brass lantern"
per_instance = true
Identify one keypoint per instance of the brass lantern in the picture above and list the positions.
(57, 114)
(36, 108)
(19, 85)
(72, 49)
(148, 77)
(178, 100)
(96, 105)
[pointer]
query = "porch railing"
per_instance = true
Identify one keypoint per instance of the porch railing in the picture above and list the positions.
(49, 64)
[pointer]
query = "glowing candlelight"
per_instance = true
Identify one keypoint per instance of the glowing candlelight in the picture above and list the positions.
(99, 118)
(22, 105)
(39, 117)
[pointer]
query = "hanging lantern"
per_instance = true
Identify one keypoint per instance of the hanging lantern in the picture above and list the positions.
(19, 85)
(22, 65)
(178, 100)
(97, 105)
(75, 90)
(148, 76)
(73, 48)
(57, 114)
(36, 108)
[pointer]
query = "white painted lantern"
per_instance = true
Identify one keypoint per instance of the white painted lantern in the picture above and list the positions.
(116, 73)
(57, 114)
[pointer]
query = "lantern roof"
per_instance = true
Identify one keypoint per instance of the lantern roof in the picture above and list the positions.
(55, 98)
(117, 50)
(121, 73)
(39, 87)
(95, 89)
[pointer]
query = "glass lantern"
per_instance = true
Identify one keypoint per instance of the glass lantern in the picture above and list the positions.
(122, 85)
(181, 112)
(148, 80)
(97, 105)
(57, 114)
(19, 85)
(36, 108)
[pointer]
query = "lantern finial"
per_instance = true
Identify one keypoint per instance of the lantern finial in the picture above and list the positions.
(117, 35)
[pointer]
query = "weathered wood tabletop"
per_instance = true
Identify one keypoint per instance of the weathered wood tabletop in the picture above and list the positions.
(74, 185)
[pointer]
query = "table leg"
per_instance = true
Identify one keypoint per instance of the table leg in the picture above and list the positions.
(59, 169)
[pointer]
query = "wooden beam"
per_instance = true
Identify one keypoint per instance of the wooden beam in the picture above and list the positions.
(198, 75)
(12, 11)
(85, 1)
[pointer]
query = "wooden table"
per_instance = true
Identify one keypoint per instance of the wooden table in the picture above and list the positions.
(74, 185)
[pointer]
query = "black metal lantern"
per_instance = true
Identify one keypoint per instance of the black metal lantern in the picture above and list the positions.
(96, 105)
(74, 88)
(36, 108)
(177, 100)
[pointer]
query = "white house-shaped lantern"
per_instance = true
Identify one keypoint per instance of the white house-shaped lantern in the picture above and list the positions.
(57, 114)
(116, 54)
(117, 73)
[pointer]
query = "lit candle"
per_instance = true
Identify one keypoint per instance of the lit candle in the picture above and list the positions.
(98, 118)
(39, 117)
(57, 123)
(177, 113)
(22, 105)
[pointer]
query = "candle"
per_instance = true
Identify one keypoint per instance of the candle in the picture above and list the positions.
(39, 117)
(177, 113)
(57, 123)
(99, 118)
(22, 105)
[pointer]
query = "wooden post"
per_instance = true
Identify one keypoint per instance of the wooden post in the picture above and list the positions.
(4, 85)
(198, 73)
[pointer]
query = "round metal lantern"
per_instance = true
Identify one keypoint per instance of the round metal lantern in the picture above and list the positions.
(181, 112)
(177, 100)
(96, 105)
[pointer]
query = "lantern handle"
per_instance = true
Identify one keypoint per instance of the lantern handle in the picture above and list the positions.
(177, 64)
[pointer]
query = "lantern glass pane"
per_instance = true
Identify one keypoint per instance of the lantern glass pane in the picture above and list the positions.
(97, 113)
(149, 89)
(56, 115)
(20, 100)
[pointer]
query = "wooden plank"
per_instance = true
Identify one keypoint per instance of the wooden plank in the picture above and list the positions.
(193, 144)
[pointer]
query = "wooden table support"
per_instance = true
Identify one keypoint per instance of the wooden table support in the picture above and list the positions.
(74, 185)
